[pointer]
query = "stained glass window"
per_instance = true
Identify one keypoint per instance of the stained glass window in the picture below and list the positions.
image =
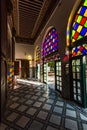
(50, 44)
(79, 27)
(80, 50)
(10, 74)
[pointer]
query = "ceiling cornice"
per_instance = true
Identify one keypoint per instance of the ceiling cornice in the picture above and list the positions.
(24, 40)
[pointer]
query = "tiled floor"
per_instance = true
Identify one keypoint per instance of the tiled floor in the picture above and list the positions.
(37, 107)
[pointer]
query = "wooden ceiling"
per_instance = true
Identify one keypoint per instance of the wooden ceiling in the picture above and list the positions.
(30, 16)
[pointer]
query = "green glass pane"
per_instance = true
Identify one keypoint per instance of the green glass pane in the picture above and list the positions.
(73, 32)
(79, 19)
(85, 25)
(85, 3)
(79, 37)
(73, 62)
(78, 62)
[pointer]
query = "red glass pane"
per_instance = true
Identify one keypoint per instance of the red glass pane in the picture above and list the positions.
(74, 54)
(76, 17)
(76, 35)
(83, 21)
(81, 48)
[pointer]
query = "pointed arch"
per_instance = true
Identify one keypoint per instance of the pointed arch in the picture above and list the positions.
(73, 12)
(50, 42)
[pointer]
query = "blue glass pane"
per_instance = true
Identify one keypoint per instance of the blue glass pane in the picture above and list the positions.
(76, 50)
(84, 51)
(76, 26)
(83, 10)
(83, 31)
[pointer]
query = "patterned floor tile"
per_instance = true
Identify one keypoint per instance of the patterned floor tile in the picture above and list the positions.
(36, 126)
(55, 119)
(42, 115)
(42, 99)
(50, 101)
(12, 116)
(29, 102)
(83, 117)
(22, 108)
(70, 113)
(71, 124)
(37, 107)
(3, 126)
(37, 104)
(58, 110)
(14, 105)
(31, 111)
(84, 126)
(47, 107)
(51, 128)
(22, 122)
(59, 103)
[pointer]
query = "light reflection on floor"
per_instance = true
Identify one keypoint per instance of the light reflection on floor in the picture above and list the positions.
(29, 82)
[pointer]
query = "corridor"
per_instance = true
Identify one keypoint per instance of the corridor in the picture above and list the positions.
(35, 106)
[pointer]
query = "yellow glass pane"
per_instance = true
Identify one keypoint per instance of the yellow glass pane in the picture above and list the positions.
(85, 14)
(72, 50)
(85, 46)
(73, 40)
(74, 24)
(86, 34)
(79, 28)
(79, 10)
(78, 53)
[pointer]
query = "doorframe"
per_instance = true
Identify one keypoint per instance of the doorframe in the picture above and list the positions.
(56, 77)
(83, 88)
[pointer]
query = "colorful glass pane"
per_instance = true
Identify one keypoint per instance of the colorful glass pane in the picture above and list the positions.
(79, 28)
(10, 73)
(50, 43)
(80, 50)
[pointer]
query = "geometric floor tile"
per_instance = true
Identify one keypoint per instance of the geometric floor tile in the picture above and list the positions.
(14, 105)
(3, 126)
(36, 126)
(47, 107)
(31, 111)
(42, 115)
(84, 126)
(71, 124)
(83, 117)
(70, 113)
(22, 121)
(58, 110)
(12, 116)
(22, 108)
(38, 107)
(51, 128)
(55, 119)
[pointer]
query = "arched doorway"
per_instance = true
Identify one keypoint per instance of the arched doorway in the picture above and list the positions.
(37, 59)
(78, 52)
(51, 60)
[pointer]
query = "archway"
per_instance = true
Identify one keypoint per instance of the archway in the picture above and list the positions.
(77, 42)
(51, 60)
(37, 63)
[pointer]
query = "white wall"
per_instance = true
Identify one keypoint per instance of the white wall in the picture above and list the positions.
(22, 51)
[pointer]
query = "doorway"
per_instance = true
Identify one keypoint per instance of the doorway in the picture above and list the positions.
(53, 75)
(49, 74)
(38, 71)
(58, 76)
(79, 80)
(25, 69)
